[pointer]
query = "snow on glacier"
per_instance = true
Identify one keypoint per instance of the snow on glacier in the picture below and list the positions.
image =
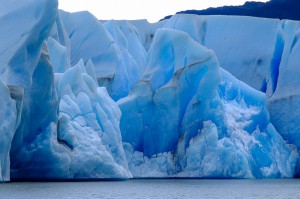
(216, 125)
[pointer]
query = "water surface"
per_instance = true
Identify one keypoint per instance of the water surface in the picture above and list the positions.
(163, 189)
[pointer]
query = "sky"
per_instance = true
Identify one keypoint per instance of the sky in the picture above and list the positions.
(152, 10)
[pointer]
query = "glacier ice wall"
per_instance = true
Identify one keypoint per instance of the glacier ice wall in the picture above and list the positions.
(261, 52)
(11, 106)
(284, 103)
(179, 113)
(247, 47)
(149, 95)
(57, 123)
(147, 31)
(24, 27)
(239, 136)
(59, 47)
(41, 111)
(133, 53)
(286, 94)
(84, 30)
(117, 56)
(194, 119)
(88, 126)
(81, 142)
(20, 52)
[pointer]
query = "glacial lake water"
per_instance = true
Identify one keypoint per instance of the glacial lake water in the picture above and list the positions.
(148, 189)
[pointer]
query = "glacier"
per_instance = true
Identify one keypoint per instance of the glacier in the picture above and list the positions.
(216, 125)
(260, 52)
(284, 103)
(119, 59)
(21, 43)
(188, 97)
(11, 106)
(53, 127)
(249, 48)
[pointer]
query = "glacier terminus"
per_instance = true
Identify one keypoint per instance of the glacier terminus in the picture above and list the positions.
(188, 97)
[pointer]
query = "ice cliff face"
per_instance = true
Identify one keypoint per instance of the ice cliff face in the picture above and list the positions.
(21, 43)
(84, 99)
(197, 120)
(11, 104)
(261, 52)
(57, 123)
(114, 48)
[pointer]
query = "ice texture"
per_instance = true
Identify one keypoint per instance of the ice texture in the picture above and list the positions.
(88, 126)
(185, 97)
(10, 115)
(249, 48)
(84, 31)
(25, 25)
(261, 52)
(81, 142)
(114, 48)
(284, 103)
(56, 122)
(194, 119)
(264, 53)
(133, 52)
(147, 30)
(59, 47)
(159, 86)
